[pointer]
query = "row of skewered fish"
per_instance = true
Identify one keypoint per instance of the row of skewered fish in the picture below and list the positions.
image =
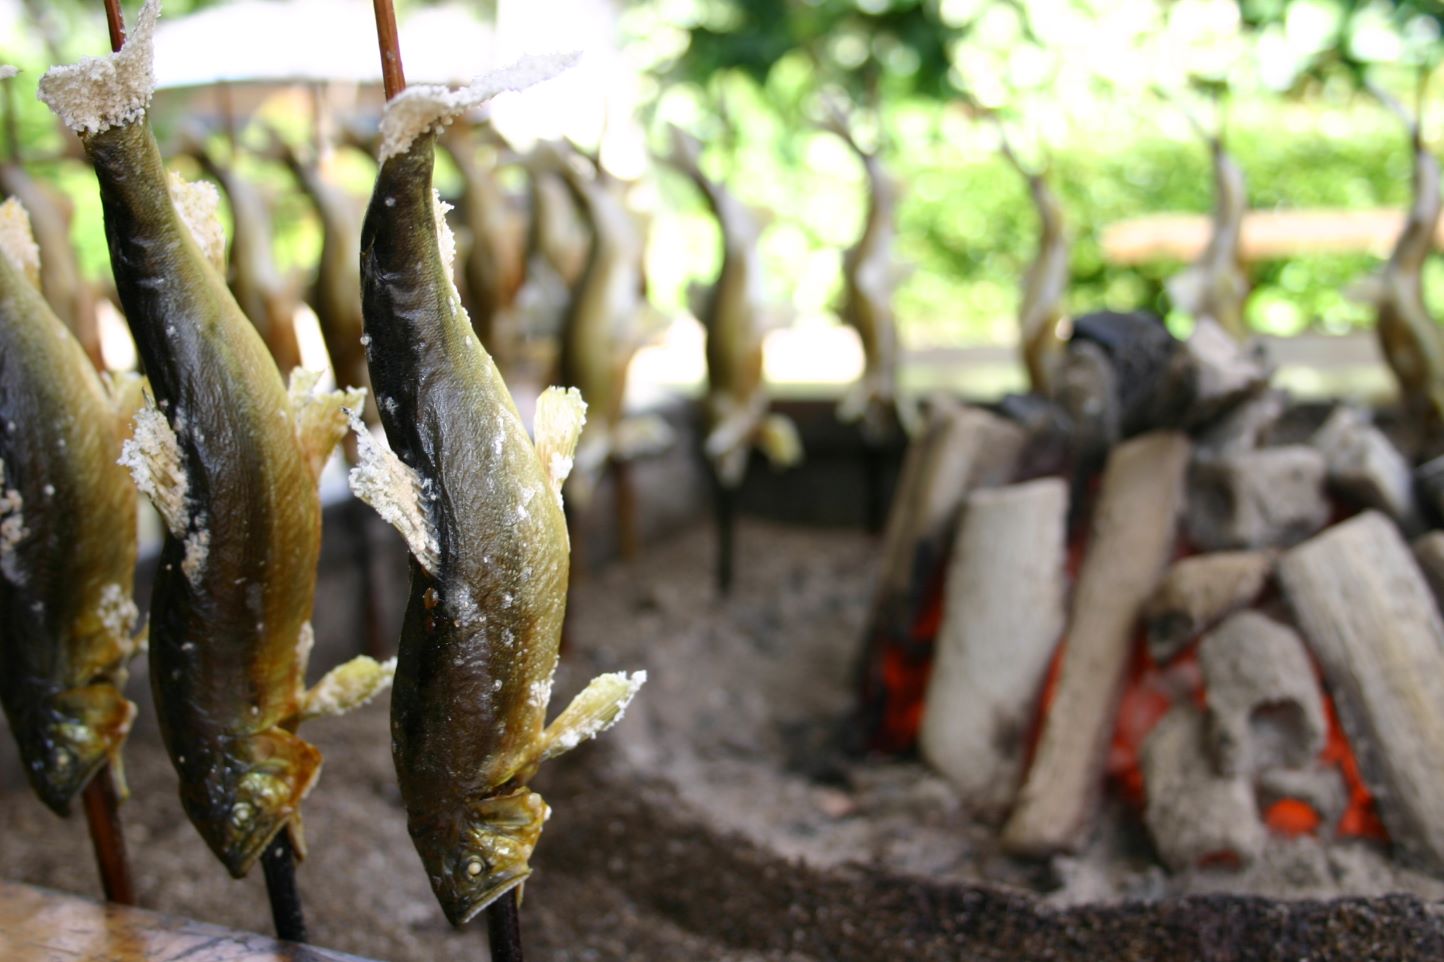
(230, 455)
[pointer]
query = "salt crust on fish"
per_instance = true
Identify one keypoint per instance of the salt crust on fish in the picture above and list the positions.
(103, 92)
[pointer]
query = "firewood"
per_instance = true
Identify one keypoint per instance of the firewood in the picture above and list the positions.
(1212, 373)
(1366, 469)
(1002, 616)
(1372, 623)
(1132, 539)
(959, 448)
(1429, 554)
(1319, 786)
(1244, 426)
(1269, 498)
(1264, 707)
(1085, 386)
(1200, 591)
(1195, 815)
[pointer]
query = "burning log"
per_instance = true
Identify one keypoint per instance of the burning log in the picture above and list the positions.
(1198, 593)
(480, 506)
(1366, 469)
(1196, 816)
(959, 448)
(1002, 617)
(1133, 537)
(1372, 622)
(1268, 498)
(67, 555)
(1264, 707)
(1319, 787)
(1408, 334)
(230, 459)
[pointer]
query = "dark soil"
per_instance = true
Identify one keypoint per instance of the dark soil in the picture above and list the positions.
(721, 820)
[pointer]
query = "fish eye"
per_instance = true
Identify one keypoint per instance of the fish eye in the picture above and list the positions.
(241, 814)
(474, 867)
(61, 760)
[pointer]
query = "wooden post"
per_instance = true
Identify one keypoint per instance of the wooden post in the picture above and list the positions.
(278, 862)
(103, 816)
(1134, 530)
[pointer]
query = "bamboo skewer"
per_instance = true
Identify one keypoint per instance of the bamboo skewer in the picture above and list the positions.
(115, 23)
(102, 814)
(278, 863)
(392, 76)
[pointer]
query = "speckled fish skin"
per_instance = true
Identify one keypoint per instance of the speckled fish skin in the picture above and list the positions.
(66, 617)
(481, 632)
(224, 662)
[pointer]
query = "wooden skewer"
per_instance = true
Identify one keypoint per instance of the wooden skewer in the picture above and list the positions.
(503, 929)
(392, 77)
(103, 816)
(278, 862)
(115, 21)
(724, 503)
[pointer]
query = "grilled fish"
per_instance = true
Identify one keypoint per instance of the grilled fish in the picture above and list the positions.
(734, 314)
(1215, 286)
(1041, 308)
(1409, 336)
(67, 537)
(230, 460)
(480, 507)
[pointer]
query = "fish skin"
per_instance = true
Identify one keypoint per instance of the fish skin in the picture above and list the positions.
(734, 316)
(66, 616)
(66, 289)
(1045, 283)
(482, 629)
(226, 663)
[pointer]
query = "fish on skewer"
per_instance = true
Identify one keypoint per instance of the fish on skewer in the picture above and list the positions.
(494, 265)
(479, 504)
(1215, 287)
(230, 459)
(871, 273)
(607, 320)
(336, 293)
(262, 293)
(1040, 312)
(735, 317)
(1408, 334)
(67, 537)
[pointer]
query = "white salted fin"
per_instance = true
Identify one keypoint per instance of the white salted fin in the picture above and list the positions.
(7, 71)
(152, 453)
(12, 530)
(394, 490)
(600, 706)
(348, 686)
(103, 92)
(641, 436)
(199, 205)
(321, 416)
(126, 391)
(560, 415)
(1186, 289)
(779, 441)
(424, 107)
(17, 242)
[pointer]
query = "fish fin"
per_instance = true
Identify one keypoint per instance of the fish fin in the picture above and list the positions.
(642, 436)
(855, 402)
(281, 769)
(17, 242)
(560, 416)
(424, 107)
(347, 687)
(103, 92)
(199, 205)
(779, 440)
(126, 391)
(396, 491)
(321, 416)
(1186, 289)
(153, 455)
(12, 530)
(599, 706)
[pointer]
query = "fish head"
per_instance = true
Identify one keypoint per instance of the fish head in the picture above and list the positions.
(239, 798)
(80, 729)
(475, 858)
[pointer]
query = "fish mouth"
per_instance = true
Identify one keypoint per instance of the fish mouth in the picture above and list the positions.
(462, 910)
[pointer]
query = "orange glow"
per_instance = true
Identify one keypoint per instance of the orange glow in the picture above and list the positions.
(1289, 816)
